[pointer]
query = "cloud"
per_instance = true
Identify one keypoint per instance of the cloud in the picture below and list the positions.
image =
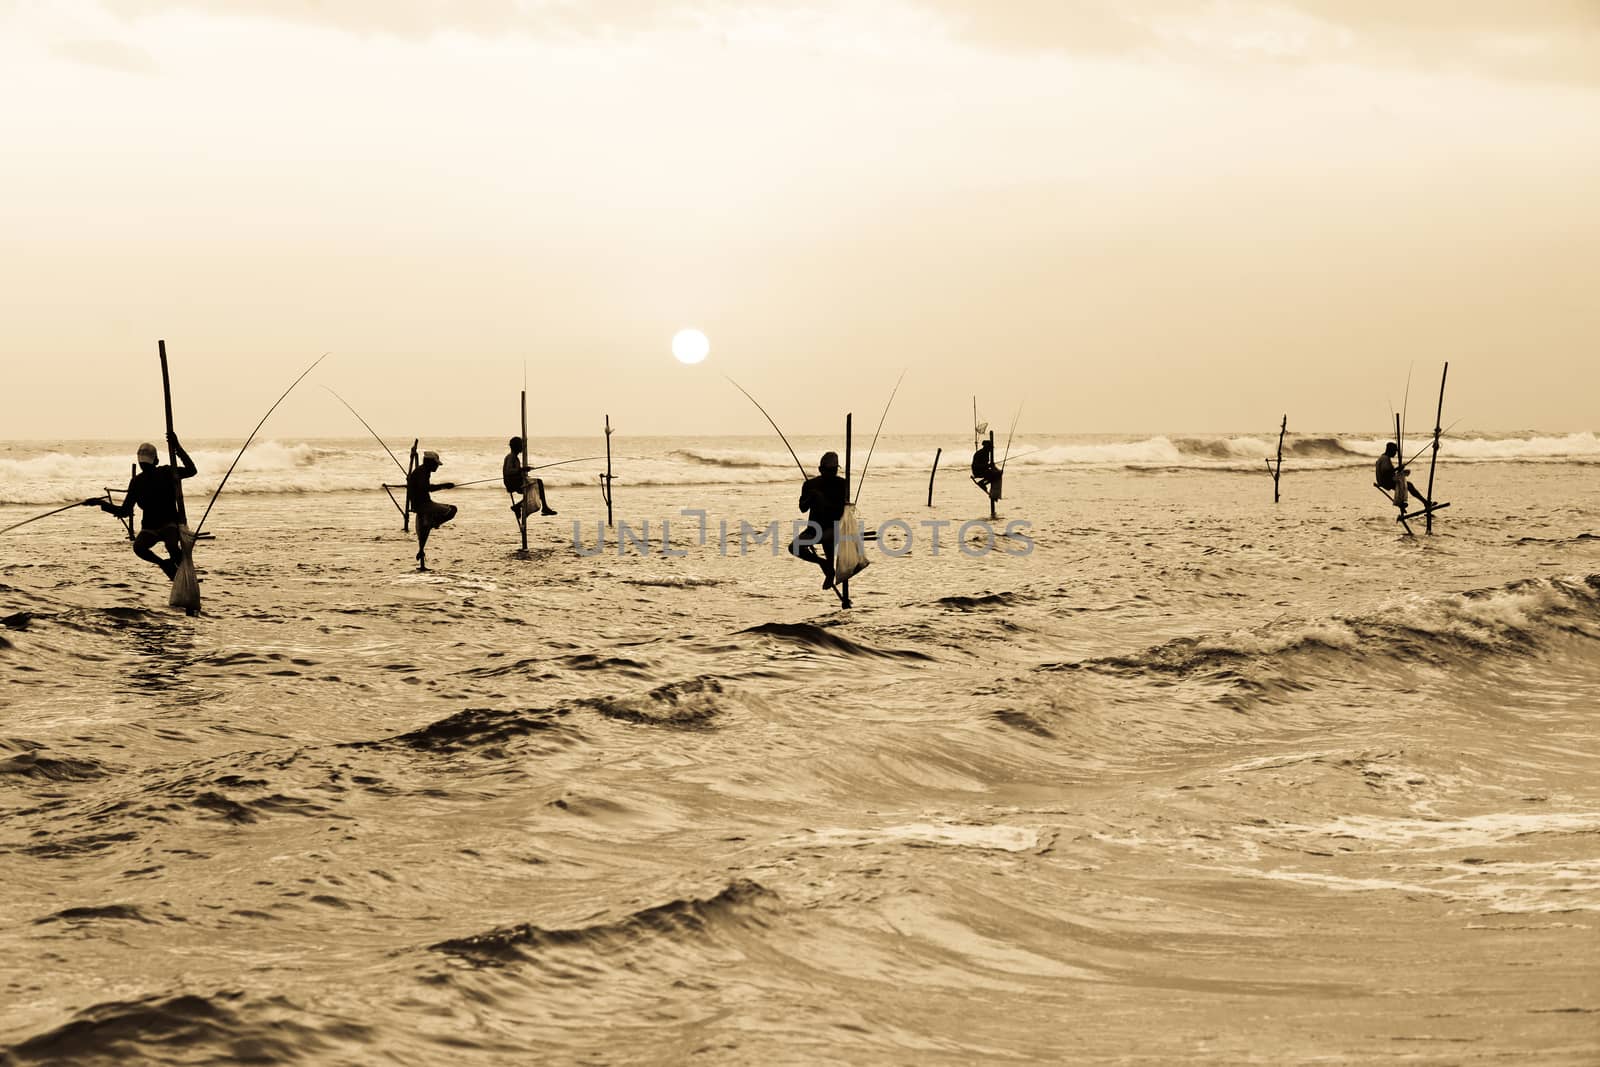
(1549, 40)
(426, 18)
(108, 54)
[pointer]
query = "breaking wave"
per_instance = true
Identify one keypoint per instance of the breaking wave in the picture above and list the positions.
(1515, 619)
(57, 476)
(677, 920)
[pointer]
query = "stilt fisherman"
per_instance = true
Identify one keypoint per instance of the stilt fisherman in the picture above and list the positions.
(430, 513)
(154, 491)
(823, 498)
(521, 487)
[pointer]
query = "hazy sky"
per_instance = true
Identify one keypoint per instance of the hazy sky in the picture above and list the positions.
(1164, 215)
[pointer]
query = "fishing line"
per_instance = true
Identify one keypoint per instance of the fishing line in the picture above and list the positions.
(252, 437)
(868, 461)
(782, 438)
(370, 430)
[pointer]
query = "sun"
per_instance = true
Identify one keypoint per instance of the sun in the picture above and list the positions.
(690, 346)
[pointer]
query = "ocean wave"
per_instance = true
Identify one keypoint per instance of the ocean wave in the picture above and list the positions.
(484, 731)
(272, 466)
(170, 1029)
(1508, 620)
(739, 460)
(811, 636)
(33, 764)
(687, 705)
(677, 920)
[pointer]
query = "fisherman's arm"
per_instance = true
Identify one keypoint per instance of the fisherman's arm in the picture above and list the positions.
(123, 510)
(188, 470)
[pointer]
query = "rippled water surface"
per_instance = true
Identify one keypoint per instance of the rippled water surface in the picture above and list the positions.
(1198, 778)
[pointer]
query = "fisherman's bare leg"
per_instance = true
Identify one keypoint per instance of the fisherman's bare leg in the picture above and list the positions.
(165, 535)
(804, 546)
(544, 505)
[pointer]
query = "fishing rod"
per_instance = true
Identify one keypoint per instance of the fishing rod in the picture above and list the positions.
(763, 411)
(1429, 445)
(252, 437)
(370, 430)
(861, 480)
(1009, 436)
(540, 467)
(46, 515)
(1405, 408)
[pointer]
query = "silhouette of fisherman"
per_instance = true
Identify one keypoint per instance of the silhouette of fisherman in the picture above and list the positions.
(1386, 475)
(154, 491)
(984, 472)
(430, 513)
(823, 498)
(515, 477)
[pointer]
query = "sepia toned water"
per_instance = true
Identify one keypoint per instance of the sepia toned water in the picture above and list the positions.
(1172, 774)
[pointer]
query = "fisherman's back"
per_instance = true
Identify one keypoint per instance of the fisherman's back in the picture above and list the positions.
(824, 498)
(511, 473)
(1385, 473)
(417, 484)
(153, 492)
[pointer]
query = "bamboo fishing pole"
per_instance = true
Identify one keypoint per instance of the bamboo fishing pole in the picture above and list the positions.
(46, 515)
(769, 418)
(1438, 418)
(937, 453)
(252, 437)
(1009, 436)
(404, 510)
(369, 428)
(535, 467)
(875, 433)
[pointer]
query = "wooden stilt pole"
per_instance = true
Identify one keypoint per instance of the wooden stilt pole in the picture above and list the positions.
(522, 504)
(608, 472)
(172, 453)
(931, 474)
(1434, 460)
(185, 582)
(133, 471)
(994, 490)
(1278, 470)
(411, 465)
(844, 590)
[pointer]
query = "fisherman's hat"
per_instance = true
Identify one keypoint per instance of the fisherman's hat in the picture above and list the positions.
(829, 461)
(426, 456)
